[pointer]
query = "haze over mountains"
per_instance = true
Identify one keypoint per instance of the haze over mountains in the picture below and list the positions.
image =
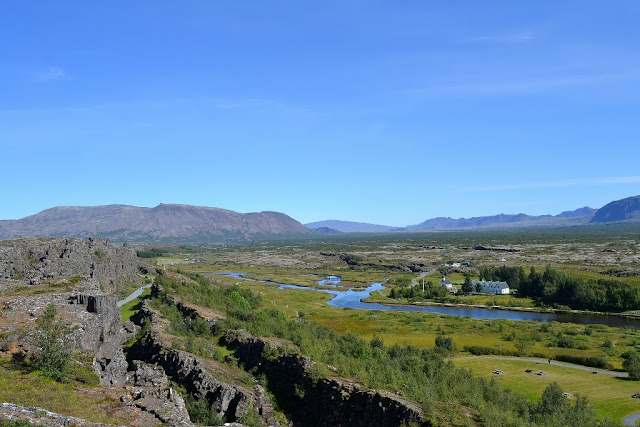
(197, 224)
(627, 209)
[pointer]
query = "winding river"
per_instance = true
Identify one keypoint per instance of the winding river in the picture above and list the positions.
(350, 298)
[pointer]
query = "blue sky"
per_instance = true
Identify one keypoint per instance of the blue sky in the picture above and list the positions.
(383, 112)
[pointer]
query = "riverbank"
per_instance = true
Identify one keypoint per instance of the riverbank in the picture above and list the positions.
(385, 300)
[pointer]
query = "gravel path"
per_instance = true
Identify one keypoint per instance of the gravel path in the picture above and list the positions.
(135, 294)
(414, 281)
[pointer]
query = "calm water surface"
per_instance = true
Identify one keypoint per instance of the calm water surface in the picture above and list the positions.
(352, 299)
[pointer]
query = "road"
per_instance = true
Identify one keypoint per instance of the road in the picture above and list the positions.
(135, 294)
(415, 280)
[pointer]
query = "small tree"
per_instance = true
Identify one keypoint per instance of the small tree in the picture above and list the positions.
(632, 364)
(467, 287)
(445, 345)
(553, 401)
(479, 287)
(55, 346)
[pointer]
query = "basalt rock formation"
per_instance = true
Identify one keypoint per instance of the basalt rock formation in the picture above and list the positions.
(71, 274)
(320, 401)
(231, 402)
(92, 264)
(40, 416)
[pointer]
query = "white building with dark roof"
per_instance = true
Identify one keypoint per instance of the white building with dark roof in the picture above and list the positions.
(495, 288)
(447, 283)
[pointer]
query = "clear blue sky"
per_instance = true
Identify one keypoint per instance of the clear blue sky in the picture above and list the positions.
(383, 112)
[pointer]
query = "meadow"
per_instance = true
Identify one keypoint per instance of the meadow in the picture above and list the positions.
(395, 260)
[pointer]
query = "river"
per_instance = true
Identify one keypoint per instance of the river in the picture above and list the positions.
(350, 298)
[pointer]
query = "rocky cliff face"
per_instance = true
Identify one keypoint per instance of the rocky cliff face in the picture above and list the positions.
(85, 269)
(231, 402)
(321, 401)
(96, 323)
(103, 335)
(95, 262)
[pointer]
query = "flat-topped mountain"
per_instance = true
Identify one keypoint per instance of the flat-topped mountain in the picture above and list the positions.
(627, 209)
(165, 222)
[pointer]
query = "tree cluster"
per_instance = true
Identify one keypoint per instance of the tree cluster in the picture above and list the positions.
(556, 288)
(415, 293)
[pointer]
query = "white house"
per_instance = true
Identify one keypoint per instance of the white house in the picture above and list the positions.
(496, 288)
(447, 283)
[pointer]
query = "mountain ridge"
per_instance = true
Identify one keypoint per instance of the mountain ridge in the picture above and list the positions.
(580, 216)
(627, 209)
(165, 222)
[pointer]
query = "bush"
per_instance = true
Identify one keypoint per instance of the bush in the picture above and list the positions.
(632, 364)
(200, 411)
(445, 345)
(480, 350)
(55, 346)
(592, 361)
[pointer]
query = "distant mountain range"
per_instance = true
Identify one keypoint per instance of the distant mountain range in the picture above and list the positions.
(196, 224)
(165, 222)
(627, 209)
(349, 226)
(579, 216)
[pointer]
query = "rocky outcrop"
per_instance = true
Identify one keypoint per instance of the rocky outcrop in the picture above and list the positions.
(152, 396)
(39, 416)
(320, 401)
(95, 320)
(232, 402)
(145, 375)
(95, 262)
(105, 335)
(162, 406)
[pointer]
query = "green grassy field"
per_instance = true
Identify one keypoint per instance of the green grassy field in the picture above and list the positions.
(610, 396)
(68, 398)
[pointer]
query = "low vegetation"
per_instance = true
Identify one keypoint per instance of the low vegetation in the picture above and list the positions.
(424, 375)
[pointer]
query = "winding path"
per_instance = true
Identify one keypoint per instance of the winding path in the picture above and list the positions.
(135, 294)
(414, 281)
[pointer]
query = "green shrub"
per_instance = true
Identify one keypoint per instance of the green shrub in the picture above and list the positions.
(200, 411)
(55, 345)
(592, 361)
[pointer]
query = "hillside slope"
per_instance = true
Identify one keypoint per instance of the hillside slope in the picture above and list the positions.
(620, 210)
(165, 222)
